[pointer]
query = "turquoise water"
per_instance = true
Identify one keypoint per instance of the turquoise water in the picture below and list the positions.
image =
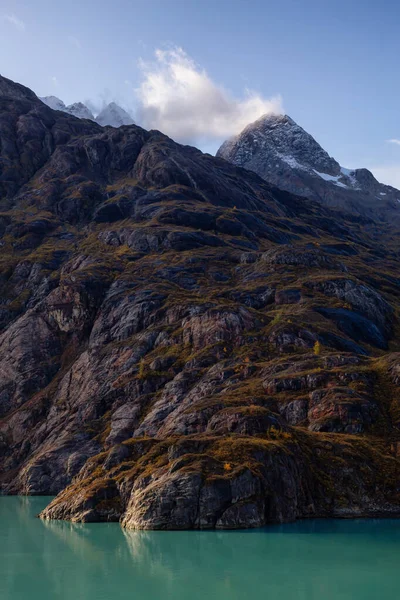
(310, 560)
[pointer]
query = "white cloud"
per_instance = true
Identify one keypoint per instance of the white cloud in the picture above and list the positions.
(74, 42)
(389, 174)
(393, 141)
(179, 98)
(18, 23)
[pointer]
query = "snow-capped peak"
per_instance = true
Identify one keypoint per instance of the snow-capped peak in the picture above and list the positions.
(80, 110)
(284, 154)
(77, 109)
(54, 102)
(114, 115)
(280, 136)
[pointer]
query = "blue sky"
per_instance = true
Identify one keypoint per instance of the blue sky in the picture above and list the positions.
(334, 64)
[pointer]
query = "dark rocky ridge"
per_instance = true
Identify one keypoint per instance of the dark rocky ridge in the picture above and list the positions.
(183, 345)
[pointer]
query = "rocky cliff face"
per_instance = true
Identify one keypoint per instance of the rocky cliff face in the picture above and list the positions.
(282, 153)
(183, 345)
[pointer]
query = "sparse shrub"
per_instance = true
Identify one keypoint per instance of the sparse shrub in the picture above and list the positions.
(317, 348)
(278, 434)
(276, 318)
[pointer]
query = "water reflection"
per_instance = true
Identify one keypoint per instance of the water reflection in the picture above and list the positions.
(310, 560)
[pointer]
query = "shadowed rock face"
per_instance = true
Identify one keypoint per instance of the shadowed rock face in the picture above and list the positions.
(183, 345)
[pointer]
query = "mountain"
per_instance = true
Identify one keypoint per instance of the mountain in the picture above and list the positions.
(281, 152)
(182, 344)
(55, 103)
(77, 109)
(112, 114)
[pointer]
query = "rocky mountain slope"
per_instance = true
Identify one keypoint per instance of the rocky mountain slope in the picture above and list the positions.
(183, 345)
(112, 114)
(282, 153)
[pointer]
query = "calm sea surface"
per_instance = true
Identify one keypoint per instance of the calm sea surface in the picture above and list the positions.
(310, 560)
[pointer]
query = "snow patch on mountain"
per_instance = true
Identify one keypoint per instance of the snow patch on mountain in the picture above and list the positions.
(292, 162)
(350, 174)
(335, 179)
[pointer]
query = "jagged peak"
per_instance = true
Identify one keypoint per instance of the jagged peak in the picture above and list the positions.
(283, 153)
(78, 109)
(111, 115)
(53, 102)
(279, 136)
(273, 119)
(114, 115)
